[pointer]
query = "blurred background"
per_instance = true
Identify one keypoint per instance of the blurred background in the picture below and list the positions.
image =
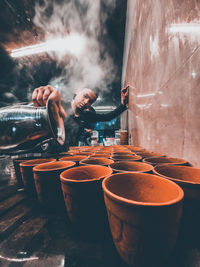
(81, 45)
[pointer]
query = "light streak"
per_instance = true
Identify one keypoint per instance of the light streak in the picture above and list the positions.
(72, 44)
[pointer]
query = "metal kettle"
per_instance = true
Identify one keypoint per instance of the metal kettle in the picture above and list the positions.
(23, 127)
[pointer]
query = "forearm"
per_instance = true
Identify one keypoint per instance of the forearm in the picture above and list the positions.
(110, 115)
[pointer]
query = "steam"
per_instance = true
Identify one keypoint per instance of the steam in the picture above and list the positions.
(93, 67)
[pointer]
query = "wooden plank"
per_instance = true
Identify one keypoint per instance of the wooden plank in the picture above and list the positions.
(11, 201)
(16, 244)
(8, 191)
(12, 219)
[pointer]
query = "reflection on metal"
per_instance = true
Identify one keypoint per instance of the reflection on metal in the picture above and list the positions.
(18, 260)
(22, 127)
(104, 108)
(72, 44)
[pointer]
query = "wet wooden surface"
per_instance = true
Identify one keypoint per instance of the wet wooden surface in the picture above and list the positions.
(29, 236)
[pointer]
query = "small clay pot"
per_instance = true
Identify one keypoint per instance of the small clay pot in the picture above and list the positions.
(47, 183)
(135, 148)
(83, 195)
(127, 158)
(144, 213)
(85, 153)
(105, 149)
(149, 154)
(118, 154)
(26, 168)
(96, 161)
(187, 177)
(164, 160)
(76, 159)
(16, 162)
(66, 154)
(130, 166)
(100, 155)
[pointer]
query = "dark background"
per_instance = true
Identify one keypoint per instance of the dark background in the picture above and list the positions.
(18, 77)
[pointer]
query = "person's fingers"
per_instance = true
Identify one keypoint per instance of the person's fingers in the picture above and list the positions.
(34, 97)
(40, 95)
(46, 94)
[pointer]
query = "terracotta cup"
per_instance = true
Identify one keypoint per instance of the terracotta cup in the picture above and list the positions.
(187, 177)
(83, 195)
(100, 155)
(16, 162)
(123, 153)
(47, 183)
(126, 158)
(149, 154)
(164, 160)
(135, 148)
(130, 166)
(96, 161)
(144, 213)
(26, 168)
(76, 159)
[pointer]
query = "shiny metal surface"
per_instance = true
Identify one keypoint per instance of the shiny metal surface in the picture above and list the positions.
(22, 127)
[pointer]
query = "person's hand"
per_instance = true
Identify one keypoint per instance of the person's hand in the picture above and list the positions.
(124, 95)
(43, 93)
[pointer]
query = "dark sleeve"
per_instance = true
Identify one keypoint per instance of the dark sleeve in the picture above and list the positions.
(92, 117)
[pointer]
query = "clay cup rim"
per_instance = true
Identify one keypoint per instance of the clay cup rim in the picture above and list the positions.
(184, 174)
(137, 177)
(164, 160)
(118, 166)
(35, 162)
(53, 166)
(73, 158)
(70, 176)
(96, 161)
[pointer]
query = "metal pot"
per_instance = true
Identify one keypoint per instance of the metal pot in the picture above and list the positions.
(23, 127)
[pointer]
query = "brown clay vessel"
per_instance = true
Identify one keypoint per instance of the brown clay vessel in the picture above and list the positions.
(47, 183)
(26, 168)
(126, 158)
(164, 160)
(148, 154)
(83, 195)
(187, 177)
(144, 213)
(16, 162)
(130, 166)
(96, 161)
(76, 159)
